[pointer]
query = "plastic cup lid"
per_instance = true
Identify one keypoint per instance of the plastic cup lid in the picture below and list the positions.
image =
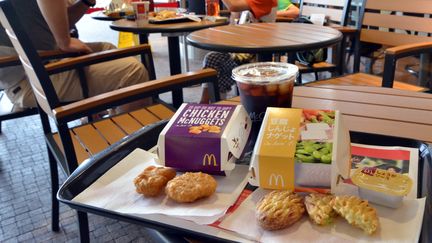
(265, 72)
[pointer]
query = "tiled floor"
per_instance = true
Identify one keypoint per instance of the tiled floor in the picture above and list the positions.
(25, 212)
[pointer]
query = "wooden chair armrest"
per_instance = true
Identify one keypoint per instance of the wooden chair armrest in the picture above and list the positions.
(6, 61)
(93, 58)
(346, 30)
(394, 53)
(284, 19)
(131, 93)
(409, 49)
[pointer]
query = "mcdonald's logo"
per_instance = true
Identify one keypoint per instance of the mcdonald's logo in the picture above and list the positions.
(209, 159)
(276, 178)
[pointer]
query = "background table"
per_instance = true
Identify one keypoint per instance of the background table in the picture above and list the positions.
(174, 30)
(265, 38)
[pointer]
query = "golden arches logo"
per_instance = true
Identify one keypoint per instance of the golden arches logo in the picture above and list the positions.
(209, 159)
(276, 178)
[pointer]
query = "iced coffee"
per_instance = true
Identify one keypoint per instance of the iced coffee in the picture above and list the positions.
(262, 85)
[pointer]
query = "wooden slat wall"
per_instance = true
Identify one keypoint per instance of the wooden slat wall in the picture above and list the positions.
(332, 14)
(365, 111)
(413, 6)
(420, 24)
(390, 38)
(376, 110)
(363, 79)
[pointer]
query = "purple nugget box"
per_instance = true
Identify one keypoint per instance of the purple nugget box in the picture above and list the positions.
(204, 137)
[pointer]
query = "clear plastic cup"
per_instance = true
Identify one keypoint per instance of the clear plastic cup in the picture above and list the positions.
(141, 10)
(262, 85)
(212, 7)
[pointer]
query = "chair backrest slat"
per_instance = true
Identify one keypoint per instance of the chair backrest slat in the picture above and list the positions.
(335, 10)
(391, 38)
(32, 63)
(396, 22)
(414, 6)
(401, 22)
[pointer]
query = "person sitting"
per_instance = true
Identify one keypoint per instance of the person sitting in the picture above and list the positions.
(287, 9)
(224, 63)
(48, 23)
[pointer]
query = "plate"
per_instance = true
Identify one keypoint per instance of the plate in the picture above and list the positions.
(178, 19)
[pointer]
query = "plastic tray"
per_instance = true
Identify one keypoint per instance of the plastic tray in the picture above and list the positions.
(145, 138)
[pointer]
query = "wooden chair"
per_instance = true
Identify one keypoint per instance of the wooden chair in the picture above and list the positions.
(380, 27)
(337, 16)
(70, 146)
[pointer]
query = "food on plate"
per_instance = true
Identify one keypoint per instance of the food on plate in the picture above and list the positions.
(357, 212)
(190, 187)
(314, 152)
(319, 208)
(279, 209)
(118, 13)
(153, 179)
(164, 14)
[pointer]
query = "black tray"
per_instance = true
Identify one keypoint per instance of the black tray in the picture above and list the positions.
(147, 137)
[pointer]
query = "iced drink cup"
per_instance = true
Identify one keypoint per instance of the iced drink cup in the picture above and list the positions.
(212, 7)
(141, 10)
(262, 85)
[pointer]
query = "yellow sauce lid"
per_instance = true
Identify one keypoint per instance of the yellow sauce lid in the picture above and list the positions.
(382, 181)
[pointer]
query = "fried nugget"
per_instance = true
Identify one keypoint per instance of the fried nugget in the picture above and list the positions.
(357, 212)
(190, 187)
(279, 209)
(319, 208)
(153, 179)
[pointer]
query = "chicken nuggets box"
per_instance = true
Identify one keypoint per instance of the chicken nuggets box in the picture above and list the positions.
(204, 137)
(300, 148)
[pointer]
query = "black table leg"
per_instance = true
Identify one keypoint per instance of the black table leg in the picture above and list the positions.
(265, 57)
(175, 67)
(143, 38)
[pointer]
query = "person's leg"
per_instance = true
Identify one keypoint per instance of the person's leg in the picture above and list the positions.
(103, 77)
(21, 95)
(223, 64)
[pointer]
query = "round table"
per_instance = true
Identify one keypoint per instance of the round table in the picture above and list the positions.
(172, 31)
(265, 38)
